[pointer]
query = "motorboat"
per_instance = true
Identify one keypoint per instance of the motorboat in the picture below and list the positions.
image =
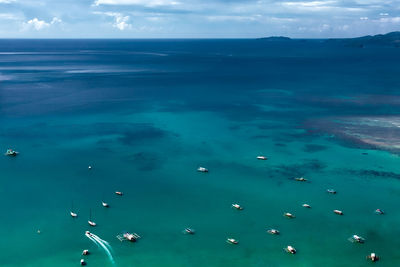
(306, 206)
(356, 239)
(290, 249)
(11, 153)
(373, 257)
(202, 169)
(262, 157)
(105, 204)
(83, 262)
(289, 215)
(119, 193)
(338, 212)
(331, 191)
(85, 252)
(273, 232)
(232, 241)
(237, 206)
(300, 179)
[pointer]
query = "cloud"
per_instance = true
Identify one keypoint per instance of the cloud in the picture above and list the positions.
(120, 21)
(38, 25)
(6, 1)
(147, 3)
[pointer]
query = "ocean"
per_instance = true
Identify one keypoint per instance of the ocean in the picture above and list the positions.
(145, 114)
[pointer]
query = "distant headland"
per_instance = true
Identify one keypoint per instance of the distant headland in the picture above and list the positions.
(389, 39)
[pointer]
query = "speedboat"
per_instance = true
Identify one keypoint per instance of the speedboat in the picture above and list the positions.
(379, 211)
(338, 212)
(289, 215)
(237, 206)
(105, 204)
(119, 193)
(232, 241)
(11, 153)
(92, 223)
(83, 262)
(262, 157)
(300, 179)
(85, 252)
(306, 206)
(373, 257)
(331, 191)
(189, 231)
(356, 239)
(88, 234)
(202, 169)
(290, 249)
(73, 214)
(273, 232)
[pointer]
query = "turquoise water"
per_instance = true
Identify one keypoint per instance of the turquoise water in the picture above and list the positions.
(147, 114)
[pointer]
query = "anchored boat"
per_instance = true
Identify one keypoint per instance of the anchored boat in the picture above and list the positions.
(290, 249)
(128, 237)
(273, 232)
(237, 206)
(262, 157)
(289, 215)
(11, 153)
(202, 169)
(338, 212)
(232, 241)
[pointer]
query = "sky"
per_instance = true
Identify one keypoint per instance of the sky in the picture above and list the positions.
(196, 18)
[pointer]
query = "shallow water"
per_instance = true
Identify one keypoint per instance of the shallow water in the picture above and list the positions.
(145, 114)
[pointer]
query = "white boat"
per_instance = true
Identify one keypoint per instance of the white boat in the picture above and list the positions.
(105, 204)
(300, 179)
(232, 241)
(290, 249)
(90, 167)
(83, 262)
(373, 257)
(262, 157)
(73, 214)
(90, 222)
(119, 193)
(379, 211)
(289, 215)
(202, 169)
(85, 252)
(11, 153)
(338, 212)
(331, 191)
(273, 232)
(237, 206)
(306, 206)
(189, 231)
(356, 239)
(128, 237)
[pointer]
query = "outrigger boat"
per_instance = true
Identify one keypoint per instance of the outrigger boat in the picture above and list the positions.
(11, 153)
(189, 231)
(289, 215)
(273, 232)
(379, 211)
(356, 239)
(262, 157)
(105, 204)
(237, 206)
(300, 179)
(119, 193)
(290, 249)
(338, 212)
(331, 191)
(232, 241)
(90, 222)
(373, 257)
(128, 237)
(306, 206)
(202, 169)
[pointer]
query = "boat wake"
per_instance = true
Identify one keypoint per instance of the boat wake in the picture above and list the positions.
(102, 244)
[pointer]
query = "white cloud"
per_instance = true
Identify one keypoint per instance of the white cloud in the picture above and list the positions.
(363, 18)
(148, 3)
(8, 16)
(38, 25)
(121, 22)
(6, 1)
(391, 19)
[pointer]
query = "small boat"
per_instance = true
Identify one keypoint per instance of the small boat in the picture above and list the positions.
(290, 249)
(356, 239)
(83, 262)
(237, 206)
(373, 257)
(90, 222)
(189, 231)
(331, 191)
(306, 206)
(85, 252)
(73, 214)
(300, 179)
(119, 193)
(202, 169)
(105, 204)
(232, 241)
(128, 237)
(262, 157)
(11, 153)
(379, 211)
(90, 167)
(289, 215)
(273, 232)
(338, 212)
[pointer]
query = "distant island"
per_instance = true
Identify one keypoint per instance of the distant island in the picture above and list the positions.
(389, 39)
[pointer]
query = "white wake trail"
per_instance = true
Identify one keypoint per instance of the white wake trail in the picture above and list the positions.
(100, 242)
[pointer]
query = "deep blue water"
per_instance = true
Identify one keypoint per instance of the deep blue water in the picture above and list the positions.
(146, 113)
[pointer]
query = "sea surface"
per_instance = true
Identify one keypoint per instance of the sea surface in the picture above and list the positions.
(145, 114)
